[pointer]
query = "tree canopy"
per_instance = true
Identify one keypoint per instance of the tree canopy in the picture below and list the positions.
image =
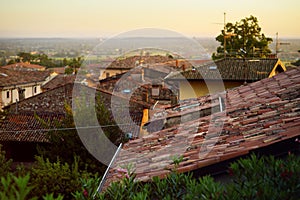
(242, 39)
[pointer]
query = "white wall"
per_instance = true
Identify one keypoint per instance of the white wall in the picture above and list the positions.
(14, 95)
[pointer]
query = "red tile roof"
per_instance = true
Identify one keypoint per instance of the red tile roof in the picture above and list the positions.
(59, 70)
(28, 127)
(59, 80)
(229, 69)
(257, 115)
(16, 77)
(132, 61)
(52, 103)
(24, 66)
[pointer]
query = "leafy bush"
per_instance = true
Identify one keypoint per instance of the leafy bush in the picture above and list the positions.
(252, 178)
(89, 188)
(5, 164)
(57, 178)
(265, 177)
(15, 187)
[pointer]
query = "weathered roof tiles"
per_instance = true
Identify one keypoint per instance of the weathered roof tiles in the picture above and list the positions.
(257, 115)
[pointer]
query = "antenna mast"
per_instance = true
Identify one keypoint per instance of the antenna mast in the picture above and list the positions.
(224, 35)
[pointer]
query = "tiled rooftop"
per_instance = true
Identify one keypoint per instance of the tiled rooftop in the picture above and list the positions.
(28, 127)
(17, 77)
(256, 115)
(59, 80)
(24, 66)
(59, 70)
(230, 69)
(132, 61)
(21, 116)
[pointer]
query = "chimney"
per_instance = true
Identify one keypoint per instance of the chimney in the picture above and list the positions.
(183, 67)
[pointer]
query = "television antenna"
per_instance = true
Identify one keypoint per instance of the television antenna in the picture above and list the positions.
(279, 43)
(226, 35)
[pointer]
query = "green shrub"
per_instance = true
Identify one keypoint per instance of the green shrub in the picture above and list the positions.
(89, 188)
(204, 188)
(13, 187)
(252, 178)
(265, 178)
(5, 164)
(57, 178)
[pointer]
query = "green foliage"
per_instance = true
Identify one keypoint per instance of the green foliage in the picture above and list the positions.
(177, 160)
(69, 70)
(89, 188)
(43, 60)
(265, 177)
(245, 34)
(51, 197)
(57, 178)
(5, 164)
(104, 116)
(15, 188)
(173, 186)
(252, 178)
(205, 188)
(66, 145)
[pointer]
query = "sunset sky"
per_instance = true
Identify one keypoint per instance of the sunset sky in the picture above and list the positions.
(99, 18)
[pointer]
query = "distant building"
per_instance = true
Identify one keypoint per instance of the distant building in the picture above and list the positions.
(16, 85)
(58, 81)
(122, 65)
(212, 77)
(57, 70)
(24, 66)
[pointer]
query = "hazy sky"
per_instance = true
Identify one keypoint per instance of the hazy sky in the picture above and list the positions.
(96, 18)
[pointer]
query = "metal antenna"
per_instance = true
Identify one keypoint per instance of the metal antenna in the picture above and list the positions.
(107, 170)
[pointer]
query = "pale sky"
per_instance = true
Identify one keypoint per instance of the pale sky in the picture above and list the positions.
(98, 18)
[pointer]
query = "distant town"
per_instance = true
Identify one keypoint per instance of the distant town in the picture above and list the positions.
(83, 119)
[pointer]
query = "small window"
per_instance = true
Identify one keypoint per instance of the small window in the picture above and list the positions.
(7, 94)
(34, 90)
(107, 74)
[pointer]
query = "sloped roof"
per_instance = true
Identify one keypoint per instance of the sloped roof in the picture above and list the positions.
(24, 66)
(230, 69)
(28, 127)
(16, 77)
(51, 105)
(59, 70)
(131, 61)
(256, 115)
(59, 80)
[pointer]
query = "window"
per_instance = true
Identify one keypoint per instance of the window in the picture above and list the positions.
(34, 90)
(107, 74)
(7, 94)
(21, 93)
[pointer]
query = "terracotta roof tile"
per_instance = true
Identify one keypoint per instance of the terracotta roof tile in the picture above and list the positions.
(24, 66)
(230, 69)
(16, 77)
(247, 125)
(59, 80)
(28, 127)
(52, 103)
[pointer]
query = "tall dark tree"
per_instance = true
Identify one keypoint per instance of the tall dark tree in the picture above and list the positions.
(66, 144)
(243, 39)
